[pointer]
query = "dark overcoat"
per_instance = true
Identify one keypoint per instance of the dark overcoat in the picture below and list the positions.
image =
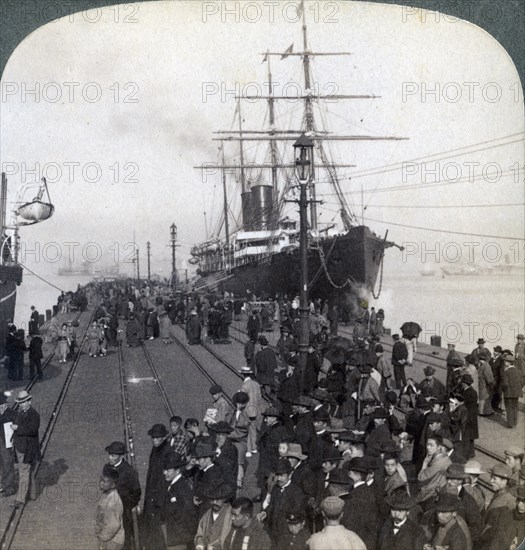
(180, 514)
(409, 537)
(25, 437)
(265, 365)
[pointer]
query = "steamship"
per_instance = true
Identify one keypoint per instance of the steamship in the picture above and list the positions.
(261, 256)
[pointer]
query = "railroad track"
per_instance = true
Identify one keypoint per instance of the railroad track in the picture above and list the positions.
(17, 513)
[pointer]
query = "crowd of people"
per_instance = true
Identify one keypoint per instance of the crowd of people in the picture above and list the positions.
(336, 465)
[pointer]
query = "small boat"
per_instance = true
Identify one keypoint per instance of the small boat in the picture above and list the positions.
(35, 210)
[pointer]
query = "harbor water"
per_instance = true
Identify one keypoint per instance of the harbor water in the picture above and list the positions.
(459, 309)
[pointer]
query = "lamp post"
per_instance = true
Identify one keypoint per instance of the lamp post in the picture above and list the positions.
(303, 171)
(173, 232)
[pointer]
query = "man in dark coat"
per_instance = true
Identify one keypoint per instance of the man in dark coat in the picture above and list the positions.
(285, 498)
(304, 425)
(209, 475)
(226, 453)
(481, 352)
(453, 360)
(134, 332)
(35, 357)
(511, 385)
(128, 487)
(380, 435)
(246, 532)
(156, 486)
(431, 386)
(265, 365)
(399, 531)
(179, 513)
(321, 441)
(272, 433)
(193, 328)
(497, 365)
(33, 322)
(360, 513)
(399, 360)
(289, 388)
(470, 395)
(27, 449)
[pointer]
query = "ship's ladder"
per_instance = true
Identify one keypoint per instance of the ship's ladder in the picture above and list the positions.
(213, 280)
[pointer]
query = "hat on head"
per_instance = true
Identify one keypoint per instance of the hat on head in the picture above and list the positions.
(246, 370)
(455, 471)
(501, 470)
(467, 379)
(321, 395)
(365, 369)
(332, 505)
(240, 397)
(173, 461)
(358, 464)
(509, 357)
(459, 397)
(520, 337)
(388, 446)
(473, 467)
(282, 466)
(395, 336)
(331, 454)
(295, 450)
(470, 359)
(116, 448)
(110, 472)
(339, 476)
(321, 415)
(391, 397)
(447, 502)
(158, 430)
(481, 341)
(380, 412)
(378, 348)
(447, 444)
(203, 450)
(263, 340)
(215, 389)
(221, 427)
(498, 349)
(429, 371)
(294, 518)
(273, 411)
(400, 500)
(514, 450)
(22, 397)
(422, 403)
(302, 401)
(336, 426)
(434, 417)
(218, 489)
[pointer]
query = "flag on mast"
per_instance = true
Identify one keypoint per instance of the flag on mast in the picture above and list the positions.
(287, 52)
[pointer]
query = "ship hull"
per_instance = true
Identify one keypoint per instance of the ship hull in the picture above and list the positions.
(7, 310)
(343, 263)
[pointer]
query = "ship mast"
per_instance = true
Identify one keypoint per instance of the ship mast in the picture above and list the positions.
(241, 150)
(309, 118)
(226, 222)
(273, 145)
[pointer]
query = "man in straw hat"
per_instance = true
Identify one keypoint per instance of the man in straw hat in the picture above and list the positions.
(471, 486)
(399, 531)
(216, 522)
(334, 535)
(26, 445)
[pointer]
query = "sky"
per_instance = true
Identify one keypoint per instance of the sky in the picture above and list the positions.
(126, 103)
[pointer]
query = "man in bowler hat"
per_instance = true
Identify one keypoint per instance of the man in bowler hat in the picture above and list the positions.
(128, 487)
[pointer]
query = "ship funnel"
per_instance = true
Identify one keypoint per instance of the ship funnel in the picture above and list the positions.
(262, 207)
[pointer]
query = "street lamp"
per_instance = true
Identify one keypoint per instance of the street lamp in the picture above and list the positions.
(303, 171)
(173, 232)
